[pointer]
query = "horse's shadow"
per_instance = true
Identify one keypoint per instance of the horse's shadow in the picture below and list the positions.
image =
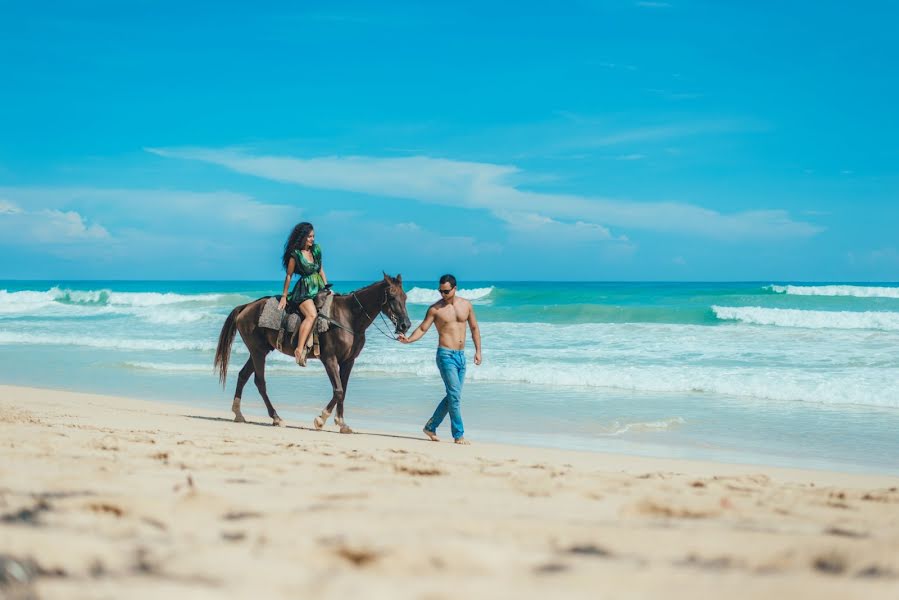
(301, 428)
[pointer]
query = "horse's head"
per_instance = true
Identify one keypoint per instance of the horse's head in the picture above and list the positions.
(394, 306)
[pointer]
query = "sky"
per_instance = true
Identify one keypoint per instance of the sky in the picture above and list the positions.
(583, 140)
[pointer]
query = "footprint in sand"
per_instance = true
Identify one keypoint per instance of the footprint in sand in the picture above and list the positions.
(660, 509)
(418, 470)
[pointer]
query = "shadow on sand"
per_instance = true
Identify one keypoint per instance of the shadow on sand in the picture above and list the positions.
(263, 424)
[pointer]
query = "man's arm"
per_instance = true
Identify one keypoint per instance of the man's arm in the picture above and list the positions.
(421, 329)
(475, 335)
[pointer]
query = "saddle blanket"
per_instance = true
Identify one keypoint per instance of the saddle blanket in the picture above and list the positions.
(272, 317)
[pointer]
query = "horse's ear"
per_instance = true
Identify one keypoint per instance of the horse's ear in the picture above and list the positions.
(386, 276)
(399, 278)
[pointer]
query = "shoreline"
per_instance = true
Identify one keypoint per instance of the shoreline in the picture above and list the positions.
(630, 462)
(108, 496)
(638, 450)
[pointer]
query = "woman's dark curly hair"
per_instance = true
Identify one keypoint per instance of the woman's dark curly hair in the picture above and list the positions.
(296, 241)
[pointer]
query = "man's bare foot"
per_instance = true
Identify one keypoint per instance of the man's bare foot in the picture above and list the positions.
(433, 436)
(463, 441)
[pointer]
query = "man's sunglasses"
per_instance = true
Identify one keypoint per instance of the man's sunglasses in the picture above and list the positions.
(444, 292)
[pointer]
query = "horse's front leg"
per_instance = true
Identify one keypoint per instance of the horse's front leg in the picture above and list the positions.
(346, 368)
(332, 368)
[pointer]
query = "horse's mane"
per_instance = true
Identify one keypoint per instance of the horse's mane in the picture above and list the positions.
(364, 289)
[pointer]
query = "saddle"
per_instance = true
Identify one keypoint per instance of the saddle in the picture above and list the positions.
(287, 322)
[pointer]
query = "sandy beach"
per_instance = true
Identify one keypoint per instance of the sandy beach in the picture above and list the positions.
(104, 497)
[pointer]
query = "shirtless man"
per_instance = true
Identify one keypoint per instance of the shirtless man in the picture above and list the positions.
(451, 313)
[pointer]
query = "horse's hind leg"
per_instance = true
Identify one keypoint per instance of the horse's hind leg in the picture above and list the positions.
(259, 380)
(242, 379)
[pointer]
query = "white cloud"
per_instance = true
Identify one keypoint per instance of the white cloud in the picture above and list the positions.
(8, 208)
(526, 222)
(663, 132)
(53, 224)
(167, 208)
(47, 226)
(888, 256)
(487, 186)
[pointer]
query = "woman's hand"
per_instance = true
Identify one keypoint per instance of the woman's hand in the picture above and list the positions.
(283, 303)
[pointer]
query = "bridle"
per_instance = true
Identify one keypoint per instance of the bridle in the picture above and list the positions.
(371, 319)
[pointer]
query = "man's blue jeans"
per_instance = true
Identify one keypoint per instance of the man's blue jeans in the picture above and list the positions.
(451, 364)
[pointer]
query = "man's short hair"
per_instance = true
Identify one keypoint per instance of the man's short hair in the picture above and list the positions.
(448, 279)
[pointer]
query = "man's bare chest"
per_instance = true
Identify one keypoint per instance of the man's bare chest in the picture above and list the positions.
(452, 314)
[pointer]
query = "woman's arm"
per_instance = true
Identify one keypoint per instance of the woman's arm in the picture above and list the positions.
(291, 265)
(321, 272)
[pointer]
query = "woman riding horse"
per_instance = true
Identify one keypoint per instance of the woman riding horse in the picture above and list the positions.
(303, 257)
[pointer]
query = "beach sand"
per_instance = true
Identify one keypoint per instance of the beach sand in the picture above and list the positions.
(104, 497)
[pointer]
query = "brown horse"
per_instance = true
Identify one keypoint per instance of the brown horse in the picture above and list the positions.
(351, 315)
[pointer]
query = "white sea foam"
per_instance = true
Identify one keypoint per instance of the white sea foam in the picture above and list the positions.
(143, 299)
(152, 307)
(112, 343)
(419, 295)
(809, 319)
(619, 428)
(169, 367)
(837, 290)
(863, 387)
(27, 300)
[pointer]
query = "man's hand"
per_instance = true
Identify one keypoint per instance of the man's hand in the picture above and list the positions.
(403, 339)
(477, 357)
(282, 303)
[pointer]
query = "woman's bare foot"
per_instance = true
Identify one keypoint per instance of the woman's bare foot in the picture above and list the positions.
(433, 436)
(463, 441)
(300, 357)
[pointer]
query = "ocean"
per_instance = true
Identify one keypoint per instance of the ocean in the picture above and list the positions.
(772, 373)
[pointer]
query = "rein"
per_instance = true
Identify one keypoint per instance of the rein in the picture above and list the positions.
(371, 320)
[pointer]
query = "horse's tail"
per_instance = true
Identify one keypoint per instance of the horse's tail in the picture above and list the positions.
(226, 338)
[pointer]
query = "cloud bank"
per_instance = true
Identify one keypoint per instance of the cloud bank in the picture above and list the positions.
(491, 187)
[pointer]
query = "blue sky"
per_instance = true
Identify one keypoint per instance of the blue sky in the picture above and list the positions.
(592, 140)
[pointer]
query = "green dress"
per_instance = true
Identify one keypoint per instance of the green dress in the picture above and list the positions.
(310, 282)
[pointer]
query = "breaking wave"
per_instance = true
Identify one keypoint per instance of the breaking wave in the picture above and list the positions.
(419, 295)
(836, 290)
(809, 319)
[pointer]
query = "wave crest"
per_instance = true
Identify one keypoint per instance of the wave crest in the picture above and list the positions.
(419, 295)
(809, 319)
(836, 290)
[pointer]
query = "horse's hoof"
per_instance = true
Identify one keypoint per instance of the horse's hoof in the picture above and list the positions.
(238, 418)
(277, 422)
(346, 429)
(318, 422)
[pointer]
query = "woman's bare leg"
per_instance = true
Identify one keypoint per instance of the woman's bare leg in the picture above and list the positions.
(307, 308)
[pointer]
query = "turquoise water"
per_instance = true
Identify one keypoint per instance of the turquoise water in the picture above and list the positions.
(775, 373)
